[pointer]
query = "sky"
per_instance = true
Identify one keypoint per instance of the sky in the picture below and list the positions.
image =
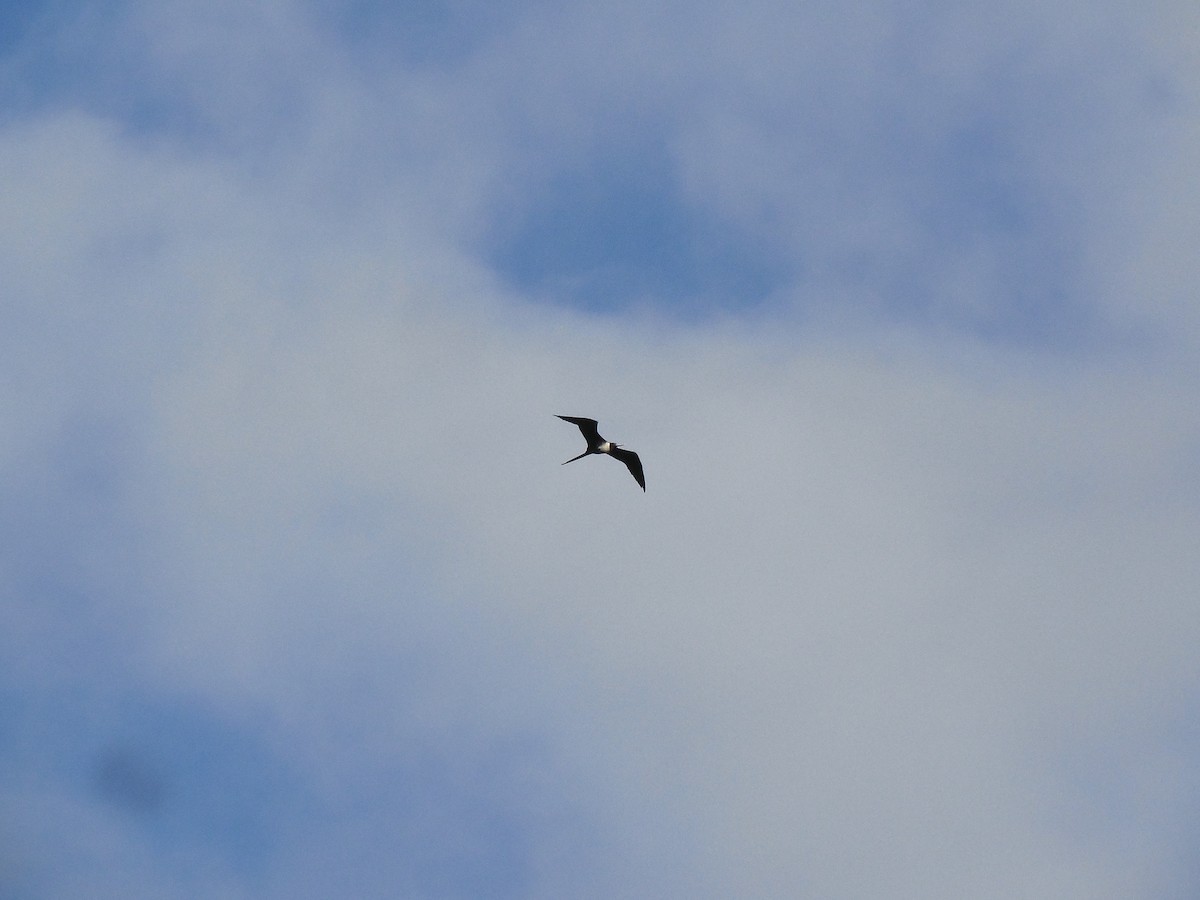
(894, 300)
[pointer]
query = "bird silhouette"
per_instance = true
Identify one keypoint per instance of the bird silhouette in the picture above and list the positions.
(597, 444)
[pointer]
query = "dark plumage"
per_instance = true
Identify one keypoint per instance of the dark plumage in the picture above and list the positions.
(597, 444)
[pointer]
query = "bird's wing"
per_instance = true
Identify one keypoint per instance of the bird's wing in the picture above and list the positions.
(589, 427)
(632, 463)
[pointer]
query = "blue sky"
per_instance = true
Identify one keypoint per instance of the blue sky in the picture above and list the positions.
(895, 302)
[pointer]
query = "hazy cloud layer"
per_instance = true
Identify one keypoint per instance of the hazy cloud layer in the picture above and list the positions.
(296, 600)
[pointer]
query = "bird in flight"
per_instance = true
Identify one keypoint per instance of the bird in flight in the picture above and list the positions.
(597, 444)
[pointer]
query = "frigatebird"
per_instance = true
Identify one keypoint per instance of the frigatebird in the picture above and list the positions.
(597, 444)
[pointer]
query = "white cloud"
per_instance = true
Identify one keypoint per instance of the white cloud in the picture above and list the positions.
(903, 612)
